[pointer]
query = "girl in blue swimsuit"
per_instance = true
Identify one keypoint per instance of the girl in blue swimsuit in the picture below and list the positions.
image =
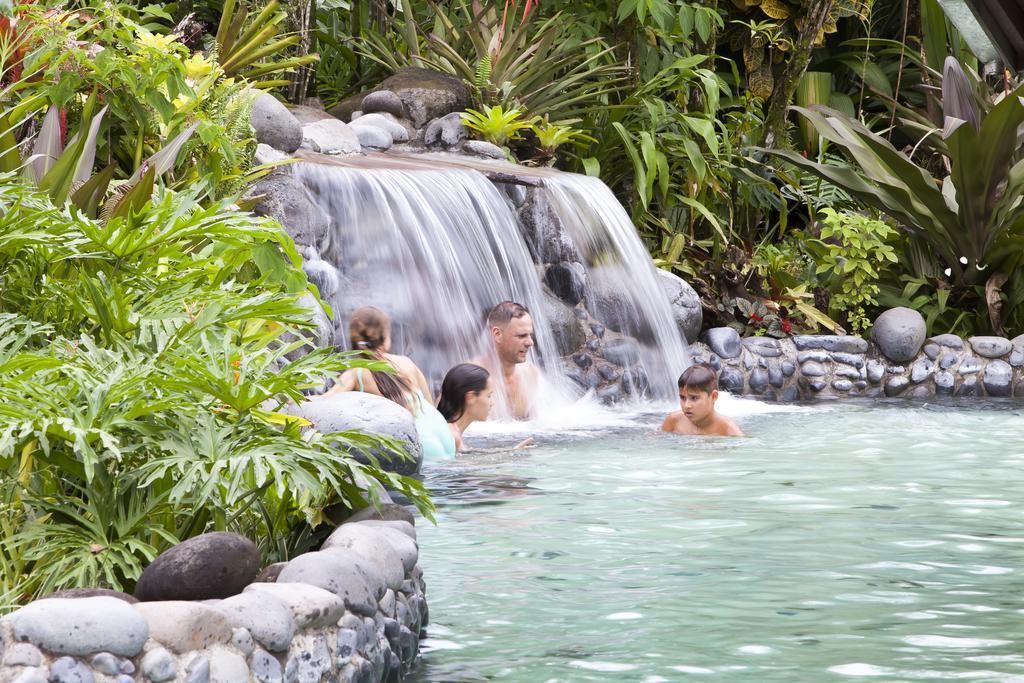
(370, 332)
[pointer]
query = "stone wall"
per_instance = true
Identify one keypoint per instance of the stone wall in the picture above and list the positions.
(352, 611)
(823, 366)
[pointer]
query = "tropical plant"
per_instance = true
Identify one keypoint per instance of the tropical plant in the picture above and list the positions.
(252, 49)
(551, 136)
(965, 228)
(497, 125)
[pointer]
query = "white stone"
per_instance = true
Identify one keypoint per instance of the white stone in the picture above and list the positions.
(312, 607)
(330, 136)
(80, 626)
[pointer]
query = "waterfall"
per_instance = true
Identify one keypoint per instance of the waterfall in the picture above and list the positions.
(435, 243)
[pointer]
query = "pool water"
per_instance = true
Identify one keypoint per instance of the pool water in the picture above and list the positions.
(870, 541)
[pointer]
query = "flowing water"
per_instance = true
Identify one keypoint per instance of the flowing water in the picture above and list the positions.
(841, 542)
(435, 244)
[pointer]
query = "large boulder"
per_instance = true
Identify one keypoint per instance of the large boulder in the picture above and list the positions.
(565, 326)
(286, 200)
(330, 136)
(542, 229)
(372, 414)
(899, 333)
(274, 125)
(79, 626)
(214, 565)
(684, 302)
(724, 341)
(427, 94)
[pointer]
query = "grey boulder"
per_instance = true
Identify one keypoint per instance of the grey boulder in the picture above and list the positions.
(267, 619)
(80, 626)
(372, 138)
(366, 543)
(899, 333)
(311, 606)
(684, 302)
(372, 414)
(282, 197)
(392, 127)
(447, 131)
(991, 347)
(356, 579)
(383, 101)
(274, 125)
(724, 341)
(213, 565)
(427, 94)
(182, 626)
(330, 136)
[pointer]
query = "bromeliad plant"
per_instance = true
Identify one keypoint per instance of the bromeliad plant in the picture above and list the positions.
(964, 228)
(497, 125)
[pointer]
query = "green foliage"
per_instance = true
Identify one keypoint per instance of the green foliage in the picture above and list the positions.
(145, 378)
(854, 247)
(497, 125)
(253, 49)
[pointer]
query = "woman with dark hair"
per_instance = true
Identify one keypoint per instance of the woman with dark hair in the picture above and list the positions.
(466, 396)
(369, 331)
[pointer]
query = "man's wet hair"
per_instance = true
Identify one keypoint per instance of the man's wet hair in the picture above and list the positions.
(500, 315)
(700, 377)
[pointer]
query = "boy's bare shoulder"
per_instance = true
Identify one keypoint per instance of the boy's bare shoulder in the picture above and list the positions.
(728, 427)
(677, 423)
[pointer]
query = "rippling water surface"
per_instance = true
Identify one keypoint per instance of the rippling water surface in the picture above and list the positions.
(838, 542)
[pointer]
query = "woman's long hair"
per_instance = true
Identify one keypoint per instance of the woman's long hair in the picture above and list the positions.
(368, 328)
(460, 380)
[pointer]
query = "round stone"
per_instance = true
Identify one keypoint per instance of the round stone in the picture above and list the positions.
(228, 667)
(106, 663)
(198, 670)
(990, 347)
(921, 370)
(731, 379)
(23, 654)
(371, 545)
(969, 366)
(447, 131)
(372, 137)
(266, 618)
(896, 384)
(484, 149)
(383, 101)
(758, 380)
(998, 378)
(944, 382)
(684, 304)
(208, 566)
(622, 352)
(842, 385)
(950, 341)
(406, 547)
(567, 281)
(265, 667)
(331, 136)
(393, 128)
(724, 341)
(182, 626)
(70, 670)
(311, 606)
(899, 333)
(158, 665)
(80, 626)
(274, 125)
(92, 593)
(812, 369)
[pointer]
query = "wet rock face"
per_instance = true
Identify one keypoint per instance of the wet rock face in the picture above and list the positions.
(214, 565)
(287, 201)
(684, 302)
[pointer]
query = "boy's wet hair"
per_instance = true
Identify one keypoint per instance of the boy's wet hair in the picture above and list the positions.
(700, 377)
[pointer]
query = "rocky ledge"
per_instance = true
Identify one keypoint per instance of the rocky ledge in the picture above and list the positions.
(898, 361)
(352, 611)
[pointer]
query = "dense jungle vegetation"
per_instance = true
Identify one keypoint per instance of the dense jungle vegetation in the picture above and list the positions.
(802, 163)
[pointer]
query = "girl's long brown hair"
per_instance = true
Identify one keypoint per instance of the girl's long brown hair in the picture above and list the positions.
(368, 328)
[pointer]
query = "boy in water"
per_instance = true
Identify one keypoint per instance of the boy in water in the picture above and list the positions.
(698, 391)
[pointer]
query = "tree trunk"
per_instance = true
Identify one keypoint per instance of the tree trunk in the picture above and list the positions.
(304, 22)
(778, 103)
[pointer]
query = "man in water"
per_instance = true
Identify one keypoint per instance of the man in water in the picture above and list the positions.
(511, 330)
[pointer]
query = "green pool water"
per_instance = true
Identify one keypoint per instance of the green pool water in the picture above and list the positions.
(838, 542)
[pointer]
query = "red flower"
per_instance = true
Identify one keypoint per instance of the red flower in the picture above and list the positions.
(756, 318)
(787, 326)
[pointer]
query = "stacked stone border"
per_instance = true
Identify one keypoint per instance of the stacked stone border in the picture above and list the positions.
(353, 611)
(832, 367)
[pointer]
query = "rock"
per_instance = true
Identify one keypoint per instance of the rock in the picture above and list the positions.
(1017, 356)
(758, 380)
(849, 372)
(899, 333)
(724, 341)
(406, 547)
(545, 235)
(198, 670)
(484, 149)
(358, 580)
(242, 640)
(609, 373)
(969, 366)
(228, 667)
(567, 281)
(312, 607)
(22, 654)
(950, 341)
(583, 361)
(762, 346)
(274, 125)
(92, 593)
(331, 136)
(622, 352)
(565, 326)
(270, 573)
(790, 394)
(104, 662)
(80, 626)
(70, 670)
(266, 618)
(896, 384)
(383, 101)
(372, 138)
(684, 304)
(386, 513)
(948, 360)
(842, 385)
(812, 369)
(944, 382)
(346, 646)
(829, 342)
(304, 114)
(313, 660)
(815, 356)
(969, 386)
(356, 543)
(265, 154)
(921, 391)
(372, 414)
(396, 131)
(182, 626)
(400, 526)
(788, 368)
(990, 347)
(286, 200)
(158, 665)
(427, 94)
(635, 381)
(850, 359)
(896, 369)
(731, 379)
(816, 385)
(998, 378)
(264, 667)
(921, 370)
(932, 350)
(445, 132)
(775, 377)
(213, 565)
